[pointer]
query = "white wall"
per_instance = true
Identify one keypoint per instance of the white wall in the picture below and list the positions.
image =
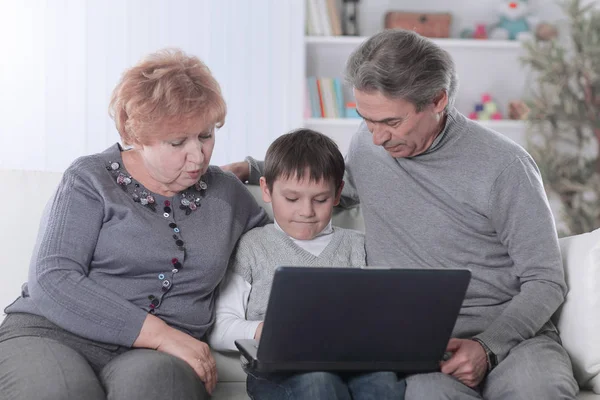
(61, 59)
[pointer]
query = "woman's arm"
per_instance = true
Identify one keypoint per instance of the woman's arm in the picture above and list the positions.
(58, 275)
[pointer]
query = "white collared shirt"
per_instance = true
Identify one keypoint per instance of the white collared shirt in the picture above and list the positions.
(315, 245)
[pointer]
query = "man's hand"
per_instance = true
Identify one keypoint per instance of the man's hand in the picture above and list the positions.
(258, 331)
(241, 169)
(468, 363)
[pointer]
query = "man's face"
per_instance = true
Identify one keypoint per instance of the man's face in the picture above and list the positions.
(397, 126)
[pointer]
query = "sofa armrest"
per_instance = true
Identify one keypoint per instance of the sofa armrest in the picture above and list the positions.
(578, 319)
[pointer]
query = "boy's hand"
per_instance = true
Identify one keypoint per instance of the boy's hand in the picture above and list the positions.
(258, 331)
(241, 169)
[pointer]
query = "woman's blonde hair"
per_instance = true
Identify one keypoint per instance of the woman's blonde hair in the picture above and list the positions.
(165, 87)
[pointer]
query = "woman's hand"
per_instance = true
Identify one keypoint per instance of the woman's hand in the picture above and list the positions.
(241, 169)
(196, 353)
(156, 334)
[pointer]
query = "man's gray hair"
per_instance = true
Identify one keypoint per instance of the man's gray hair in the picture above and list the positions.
(402, 64)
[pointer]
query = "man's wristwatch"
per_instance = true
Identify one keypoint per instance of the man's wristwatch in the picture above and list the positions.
(492, 360)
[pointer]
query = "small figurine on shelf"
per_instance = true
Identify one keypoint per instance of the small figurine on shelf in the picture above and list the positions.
(350, 17)
(546, 31)
(486, 110)
(480, 32)
(517, 109)
(515, 23)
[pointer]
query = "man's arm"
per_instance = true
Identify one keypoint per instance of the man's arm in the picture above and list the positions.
(249, 170)
(520, 212)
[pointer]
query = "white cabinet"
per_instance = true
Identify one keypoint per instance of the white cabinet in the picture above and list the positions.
(483, 66)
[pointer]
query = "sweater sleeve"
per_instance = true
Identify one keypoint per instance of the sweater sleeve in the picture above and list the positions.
(256, 170)
(58, 275)
(349, 197)
(256, 216)
(230, 322)
(521, 214)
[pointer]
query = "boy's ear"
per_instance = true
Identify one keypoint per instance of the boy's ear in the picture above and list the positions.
(266, 194)
(338, 194)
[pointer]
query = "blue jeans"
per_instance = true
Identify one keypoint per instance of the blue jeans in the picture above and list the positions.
(325, 386)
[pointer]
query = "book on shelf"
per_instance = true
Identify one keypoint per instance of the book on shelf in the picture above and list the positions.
(325, 96)
(323, 18)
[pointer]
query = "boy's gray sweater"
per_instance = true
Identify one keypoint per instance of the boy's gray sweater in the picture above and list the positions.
(263, 249)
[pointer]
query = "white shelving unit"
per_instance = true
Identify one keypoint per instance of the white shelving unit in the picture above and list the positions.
(483, 66)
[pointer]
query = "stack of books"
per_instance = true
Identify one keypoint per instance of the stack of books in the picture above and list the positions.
(325, 98)
(323, 18)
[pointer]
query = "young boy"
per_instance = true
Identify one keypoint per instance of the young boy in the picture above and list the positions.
(303, 181)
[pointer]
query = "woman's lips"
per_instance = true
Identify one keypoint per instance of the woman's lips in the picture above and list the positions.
(194, 174)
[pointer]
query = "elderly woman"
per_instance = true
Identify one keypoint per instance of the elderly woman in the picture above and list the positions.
(130, 250)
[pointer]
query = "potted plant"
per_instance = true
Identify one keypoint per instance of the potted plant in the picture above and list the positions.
(564, 116)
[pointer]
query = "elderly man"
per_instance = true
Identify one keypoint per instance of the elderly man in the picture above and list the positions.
(440, 191)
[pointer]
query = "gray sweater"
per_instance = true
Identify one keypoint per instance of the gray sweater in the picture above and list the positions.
(103, 261)
(473, 200)
(263, 249)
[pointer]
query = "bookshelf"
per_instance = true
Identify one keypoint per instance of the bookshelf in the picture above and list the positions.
(483, 66)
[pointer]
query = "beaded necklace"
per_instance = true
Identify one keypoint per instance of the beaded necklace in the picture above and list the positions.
(189, 201)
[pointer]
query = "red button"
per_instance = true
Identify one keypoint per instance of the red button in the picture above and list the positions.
(174, 261)
(167, 203)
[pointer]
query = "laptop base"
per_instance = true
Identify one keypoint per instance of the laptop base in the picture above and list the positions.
(249, 349)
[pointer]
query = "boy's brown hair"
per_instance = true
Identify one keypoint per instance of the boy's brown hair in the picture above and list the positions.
(296, 152)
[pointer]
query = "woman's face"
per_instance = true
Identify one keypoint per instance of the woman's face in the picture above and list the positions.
(179, 154)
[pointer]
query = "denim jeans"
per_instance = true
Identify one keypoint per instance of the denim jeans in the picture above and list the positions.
(325, 386)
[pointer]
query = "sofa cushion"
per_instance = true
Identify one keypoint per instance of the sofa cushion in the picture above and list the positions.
(578, 319)
(229, 366)
(25, 193)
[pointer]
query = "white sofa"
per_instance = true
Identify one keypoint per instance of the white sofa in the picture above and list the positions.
(25, 194)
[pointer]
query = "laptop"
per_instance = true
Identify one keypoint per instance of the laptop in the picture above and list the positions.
(357, 319)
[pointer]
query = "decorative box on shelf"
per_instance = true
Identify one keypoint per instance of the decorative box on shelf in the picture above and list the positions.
(432, 25)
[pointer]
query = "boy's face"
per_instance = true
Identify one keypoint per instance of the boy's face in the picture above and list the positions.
(301, 207)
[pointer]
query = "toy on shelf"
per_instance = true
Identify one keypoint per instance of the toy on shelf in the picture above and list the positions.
(546, 31)
(486, 110)
(480, 32)
(515, 23)
(517, 109)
